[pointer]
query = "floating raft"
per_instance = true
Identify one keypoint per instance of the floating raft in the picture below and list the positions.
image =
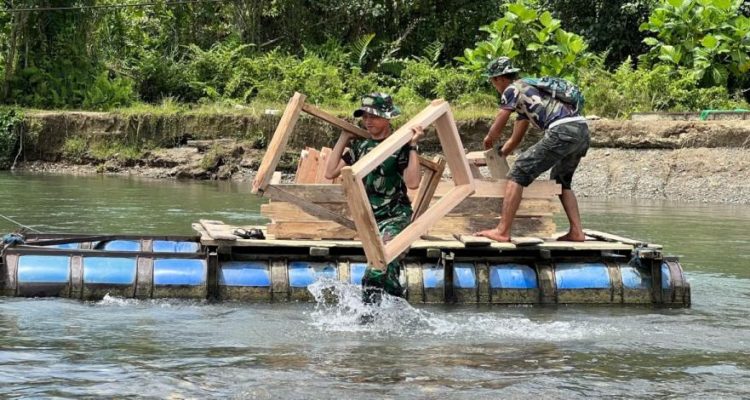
(216, 264)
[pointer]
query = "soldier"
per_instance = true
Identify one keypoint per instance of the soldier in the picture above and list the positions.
(385, 186)
(565, 142)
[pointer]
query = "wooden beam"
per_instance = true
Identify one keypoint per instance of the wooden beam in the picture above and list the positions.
(364, 220)
(307, 169)
(427, 187)
(472, 241)
(278, 142)
(315, 193)
(335, 121)
(537, 189)
(475, 172)
(274, 192)
(320, 176)
(398, 139)
(497, 165)
(284, 211)
(421, 225)
(310, 230)
(450, 141)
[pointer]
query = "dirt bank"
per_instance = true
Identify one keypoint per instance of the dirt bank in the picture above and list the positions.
(674, 160)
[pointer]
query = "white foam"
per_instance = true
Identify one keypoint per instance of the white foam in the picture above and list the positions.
(395, 316)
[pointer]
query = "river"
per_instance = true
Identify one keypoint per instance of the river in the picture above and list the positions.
(58, 348)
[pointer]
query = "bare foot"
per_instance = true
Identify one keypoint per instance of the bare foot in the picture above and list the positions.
(572, 237)
(493, 234)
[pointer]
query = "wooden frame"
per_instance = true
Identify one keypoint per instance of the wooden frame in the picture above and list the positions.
(284, 130)
(380, 254)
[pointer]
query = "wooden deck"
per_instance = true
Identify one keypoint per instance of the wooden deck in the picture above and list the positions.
(217, 233)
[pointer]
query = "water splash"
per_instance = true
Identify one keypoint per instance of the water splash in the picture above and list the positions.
(339, 308)
(115, 301)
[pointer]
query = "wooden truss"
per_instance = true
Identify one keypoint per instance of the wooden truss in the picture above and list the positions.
(378, 253)
(313, 198)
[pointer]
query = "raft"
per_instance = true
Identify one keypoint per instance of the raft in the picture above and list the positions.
(607, 269)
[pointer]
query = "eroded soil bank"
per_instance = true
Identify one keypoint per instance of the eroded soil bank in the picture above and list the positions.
(674, 160)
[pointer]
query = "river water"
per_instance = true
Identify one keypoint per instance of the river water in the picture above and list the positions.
(57, 348)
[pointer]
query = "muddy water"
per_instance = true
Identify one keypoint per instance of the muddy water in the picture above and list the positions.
(53, 348)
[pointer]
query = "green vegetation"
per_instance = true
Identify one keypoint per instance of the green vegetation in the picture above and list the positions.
(244, 56)
(9, 137)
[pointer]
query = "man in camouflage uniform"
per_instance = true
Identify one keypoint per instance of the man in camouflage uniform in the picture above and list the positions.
(386, 185)
(565, 142)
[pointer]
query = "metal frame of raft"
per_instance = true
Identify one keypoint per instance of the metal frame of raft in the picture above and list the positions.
(609, 270)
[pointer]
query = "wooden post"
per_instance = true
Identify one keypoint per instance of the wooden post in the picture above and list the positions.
(361, 211)
(278, 142)
(497, 165)
(427, 187)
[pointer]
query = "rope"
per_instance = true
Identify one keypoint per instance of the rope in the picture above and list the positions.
(19, 224)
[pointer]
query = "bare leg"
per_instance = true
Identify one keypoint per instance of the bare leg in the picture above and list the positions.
(570, 205)
(511, 201)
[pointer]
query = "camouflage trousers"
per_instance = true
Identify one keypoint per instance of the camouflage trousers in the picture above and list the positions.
(376, 281)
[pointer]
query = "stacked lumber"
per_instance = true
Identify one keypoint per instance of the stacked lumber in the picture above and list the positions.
(291, 221)
(482, 210)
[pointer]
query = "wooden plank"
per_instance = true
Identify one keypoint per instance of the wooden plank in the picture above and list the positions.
(533, 226)
(497, 165)
(310, 230)
(398, 139)
(475, 172)
(276, 178)
(493, 205)
(526, 241)
(307, 169)
(278, 142)
(217, 230)
(537, 189)
(284, 211)
(320, 176)
(335, 121)
(427, 188)
(421, 225)
(476, 157)
(361, 212)
(316, 193)
(450, 141)
(615, 238)
(313, 209)
(473, 241)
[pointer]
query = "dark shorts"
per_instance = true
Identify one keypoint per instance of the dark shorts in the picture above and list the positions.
(561, 149)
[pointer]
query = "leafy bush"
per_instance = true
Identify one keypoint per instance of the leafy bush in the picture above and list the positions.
(535, 41)
(74, 148)
(663, 88)
(708, 37)
(9, 120)
(105, 93)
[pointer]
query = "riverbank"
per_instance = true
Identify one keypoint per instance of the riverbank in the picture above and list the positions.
(671, 160)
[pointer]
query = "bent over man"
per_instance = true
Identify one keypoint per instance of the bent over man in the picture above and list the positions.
(565, 142)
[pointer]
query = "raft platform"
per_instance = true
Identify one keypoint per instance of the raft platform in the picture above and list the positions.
(607, 269)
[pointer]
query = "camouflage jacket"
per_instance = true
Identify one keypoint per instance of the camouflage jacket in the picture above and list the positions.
(532, 104)
(385, 185)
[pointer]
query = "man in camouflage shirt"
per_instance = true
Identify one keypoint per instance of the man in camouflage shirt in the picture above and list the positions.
(565, 142)
(386, 185)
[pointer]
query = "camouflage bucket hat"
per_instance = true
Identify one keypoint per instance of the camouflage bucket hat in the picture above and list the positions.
(379, 104)
(500, 66)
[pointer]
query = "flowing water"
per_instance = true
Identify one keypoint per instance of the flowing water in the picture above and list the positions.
(57, 348)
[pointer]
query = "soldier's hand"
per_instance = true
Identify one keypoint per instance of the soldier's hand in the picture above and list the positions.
(417, 132)
(488, 142)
